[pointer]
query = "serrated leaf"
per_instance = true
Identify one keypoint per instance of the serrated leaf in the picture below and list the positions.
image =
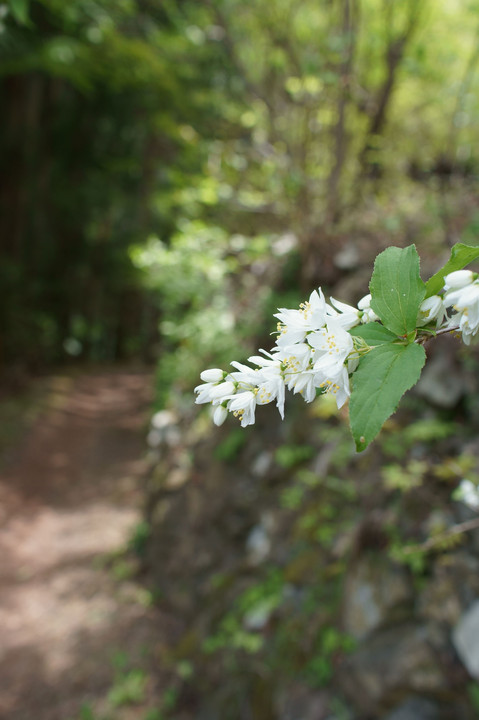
(382, 378)
(397, 290)
(373, 333)
(461, 255)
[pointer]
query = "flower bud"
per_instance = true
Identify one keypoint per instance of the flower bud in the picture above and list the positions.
(458, 279)
(221, 391)
(212, 375)
(431, 309)
(365, 302)
(220, 414)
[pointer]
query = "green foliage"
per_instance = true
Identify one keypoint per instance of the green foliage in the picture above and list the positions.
(410, 555)
(87, 713)
(461, 255)
(373, 334)
(20, 10)
(330, 643)
(139, 538)
(199, 276)
(254, 605)
(292, 497)
(287, 456)
(473, 692)
(130, 121)
(228, 449)
(129, 688)
(383, 376)
(404, 478)
(397, 289)
(423, 430)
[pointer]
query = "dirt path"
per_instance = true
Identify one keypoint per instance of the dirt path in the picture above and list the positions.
(69, 499)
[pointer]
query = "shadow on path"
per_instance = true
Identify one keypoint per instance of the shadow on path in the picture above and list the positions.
(70, 496)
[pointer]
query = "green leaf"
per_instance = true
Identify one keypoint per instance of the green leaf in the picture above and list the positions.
(461, 255)
(373, 333)
(397, 289)
(382, 378)
(19, 10)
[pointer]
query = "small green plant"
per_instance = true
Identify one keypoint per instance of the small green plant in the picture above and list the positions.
(397, 477)
(331, 642)
(292, 497)
(252, 608)
(87, 713)
(473, 692)
(287, 456)
(230, 447)
(129, 688)
(139, 538)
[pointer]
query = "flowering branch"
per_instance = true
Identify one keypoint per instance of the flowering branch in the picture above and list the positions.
(370, 354)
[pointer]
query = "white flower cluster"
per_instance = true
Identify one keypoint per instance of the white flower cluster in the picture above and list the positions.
(458, 309)
(462, 296)
(313, 352)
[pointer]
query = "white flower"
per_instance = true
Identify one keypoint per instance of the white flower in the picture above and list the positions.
(220, 414)
(272, 388)
(243, 406)
(463, 297)
(245, 376)
(465, 301)
(294, 324)
(368, 314)
(332, 346)
(337, 385)
(214, 392)
(297, 365)
(203, 392)
(458, 279)
(213, 375)
(468, 493)
(303, 383)
(295, 358)
(347, 315)
(220, 392)
(432, 309)
(270, 380)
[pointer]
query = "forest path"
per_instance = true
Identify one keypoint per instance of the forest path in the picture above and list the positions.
(70, 497)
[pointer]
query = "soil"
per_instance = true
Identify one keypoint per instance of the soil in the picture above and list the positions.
(70, 499)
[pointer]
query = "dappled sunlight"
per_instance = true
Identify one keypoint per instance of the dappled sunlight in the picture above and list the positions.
(176, 175)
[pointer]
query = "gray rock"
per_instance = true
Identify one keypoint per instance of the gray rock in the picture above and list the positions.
(375, 592)
(262, 464)
(465, 638)
(299, 702)
(348, 258)
(397, 662)
(415, 709)
(452, 588)
(432, 387)
(258, 542)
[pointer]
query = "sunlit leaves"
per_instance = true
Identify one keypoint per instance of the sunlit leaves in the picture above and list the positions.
(461, 255)
(397, 289)
(20, 10)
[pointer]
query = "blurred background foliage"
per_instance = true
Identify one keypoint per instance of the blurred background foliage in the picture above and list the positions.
(172, 167)
(175, 170)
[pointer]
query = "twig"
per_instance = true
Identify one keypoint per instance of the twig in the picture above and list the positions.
(437, 539)
(422, 339)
